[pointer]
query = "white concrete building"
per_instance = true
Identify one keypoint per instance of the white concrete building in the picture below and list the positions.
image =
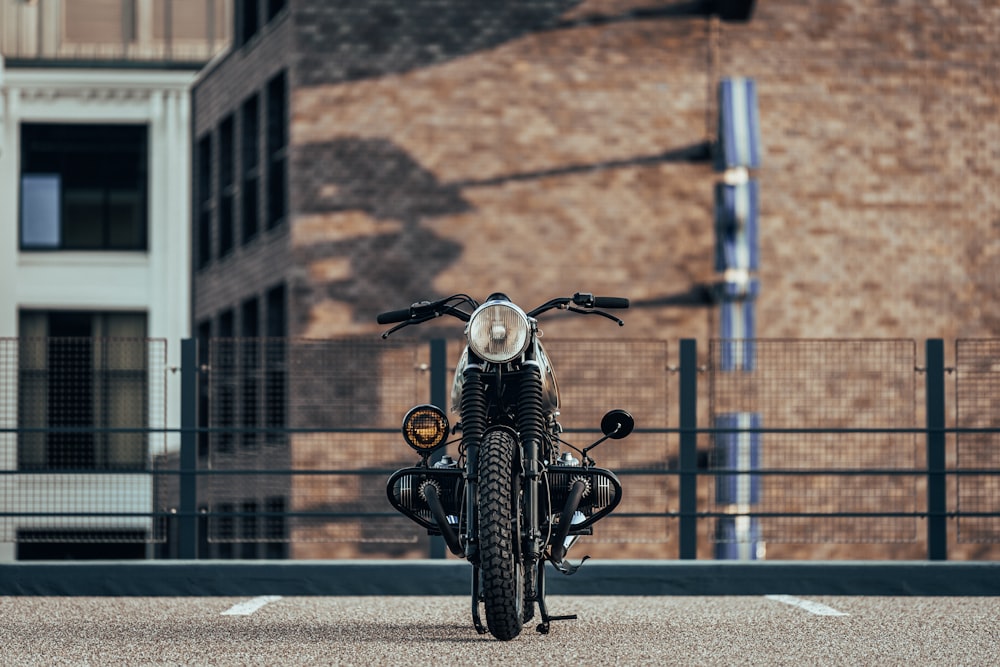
(95, 180)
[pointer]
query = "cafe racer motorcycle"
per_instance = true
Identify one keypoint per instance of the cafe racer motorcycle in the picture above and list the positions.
(518, 494)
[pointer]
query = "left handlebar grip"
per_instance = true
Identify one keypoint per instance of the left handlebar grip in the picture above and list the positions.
(393, 316)
(610, 302)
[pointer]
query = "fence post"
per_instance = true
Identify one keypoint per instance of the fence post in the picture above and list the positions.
(688, 531)
(439, 397)
(937, 498)
(187, 533)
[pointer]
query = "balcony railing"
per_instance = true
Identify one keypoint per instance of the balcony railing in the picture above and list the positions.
(139, 31)
(836, 449)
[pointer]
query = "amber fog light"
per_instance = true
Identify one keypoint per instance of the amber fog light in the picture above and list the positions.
(425, 427)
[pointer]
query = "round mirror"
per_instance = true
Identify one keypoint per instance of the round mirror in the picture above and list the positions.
(617, 424)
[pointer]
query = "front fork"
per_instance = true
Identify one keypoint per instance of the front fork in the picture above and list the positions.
(530, 424)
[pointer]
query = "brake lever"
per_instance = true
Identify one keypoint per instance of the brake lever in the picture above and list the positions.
(450, 310)
(596, 312)
(402, 325)
(410, 322)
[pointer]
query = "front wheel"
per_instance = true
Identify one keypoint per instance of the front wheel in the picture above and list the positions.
(501, 565)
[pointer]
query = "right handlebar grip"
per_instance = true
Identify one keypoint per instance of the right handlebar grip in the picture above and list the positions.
(610, 302)
(393, 316)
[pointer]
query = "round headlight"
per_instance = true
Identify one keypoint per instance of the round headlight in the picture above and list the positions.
(498, 332)
(425, 427)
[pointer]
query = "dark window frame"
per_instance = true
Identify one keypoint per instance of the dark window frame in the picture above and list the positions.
(250, 374)
(227, 186)
(82, 376)
(250, 152)
(224, 393)
(102, 169)
(274, 8)
(276, 142)
(248, 23)
(204, 197)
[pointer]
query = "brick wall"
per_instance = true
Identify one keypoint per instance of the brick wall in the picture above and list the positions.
(880, 209)
(543, 148)
(527, 153)
(254, 268)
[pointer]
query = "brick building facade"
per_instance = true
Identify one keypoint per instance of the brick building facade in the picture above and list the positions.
(544, 147)
(437, 147)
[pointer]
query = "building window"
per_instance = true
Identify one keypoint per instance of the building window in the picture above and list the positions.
(250, 371)
(277, 320)
(79, 374)
(275, 528)
(83, 187)
(99, 22)
(247, 20)
(248, 17)
(227, 186)
(250, 125)
(277, 150)
(223, 368)
(225, 529)
(274, 7)
(249, 530)
(204, 337)
(275, 362)
(203, 251)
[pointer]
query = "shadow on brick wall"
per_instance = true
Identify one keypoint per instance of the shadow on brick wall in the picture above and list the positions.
(346, 40)
(378, 178)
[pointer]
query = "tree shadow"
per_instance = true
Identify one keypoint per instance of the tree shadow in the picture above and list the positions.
(382, 180)
(395, 268)
(347, 40)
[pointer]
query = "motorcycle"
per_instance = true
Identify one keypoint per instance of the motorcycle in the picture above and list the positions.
(513, 499)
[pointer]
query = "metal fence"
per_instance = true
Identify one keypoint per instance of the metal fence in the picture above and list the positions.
(281, 447)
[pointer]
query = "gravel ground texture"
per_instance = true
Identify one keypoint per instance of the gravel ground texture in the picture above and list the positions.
(273, 630)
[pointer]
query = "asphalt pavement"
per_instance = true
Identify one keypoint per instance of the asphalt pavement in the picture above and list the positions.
(437, 630)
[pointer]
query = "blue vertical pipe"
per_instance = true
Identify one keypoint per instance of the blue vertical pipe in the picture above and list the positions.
(739, 142)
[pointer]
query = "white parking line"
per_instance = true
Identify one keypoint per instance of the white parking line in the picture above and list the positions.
(250, 606)
(811, 607)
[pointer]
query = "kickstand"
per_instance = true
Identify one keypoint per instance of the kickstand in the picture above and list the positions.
(543, 627)
(476, 620)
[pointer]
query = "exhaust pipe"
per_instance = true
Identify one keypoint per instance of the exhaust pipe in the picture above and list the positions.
(566, 520)
(429, 491)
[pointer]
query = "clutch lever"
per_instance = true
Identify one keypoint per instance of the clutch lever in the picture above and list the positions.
(403, 325)
(596, 312)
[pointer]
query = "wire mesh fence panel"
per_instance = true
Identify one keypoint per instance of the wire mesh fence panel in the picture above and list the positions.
(977, 389)
(815, 388)
(89, 415)
(599, 375)
(812, 441)
(319, 420)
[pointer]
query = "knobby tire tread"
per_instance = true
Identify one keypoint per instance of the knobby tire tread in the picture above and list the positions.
(503, 592)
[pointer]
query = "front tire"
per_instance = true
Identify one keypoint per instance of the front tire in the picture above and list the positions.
(501, 564)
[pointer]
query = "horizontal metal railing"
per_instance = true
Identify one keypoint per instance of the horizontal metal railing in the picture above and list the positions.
(701, 513)
(931, 489)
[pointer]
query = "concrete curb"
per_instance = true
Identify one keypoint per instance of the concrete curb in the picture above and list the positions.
(452, 577)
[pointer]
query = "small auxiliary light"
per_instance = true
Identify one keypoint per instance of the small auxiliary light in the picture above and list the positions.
(425, 428)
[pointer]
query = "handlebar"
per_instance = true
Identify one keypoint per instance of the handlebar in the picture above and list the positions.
(393, 316)
(610, 302)
(423, 311)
